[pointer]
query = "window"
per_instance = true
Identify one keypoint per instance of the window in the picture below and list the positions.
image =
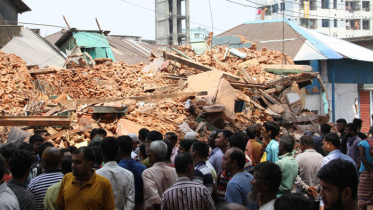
(366, 25)
(282, 6)
(275, 8)
(268, 10)
(325, 23)
(366, 6)
(308, 23)
(325, 4)
(335, 23)
(334, 4)
(196, 35)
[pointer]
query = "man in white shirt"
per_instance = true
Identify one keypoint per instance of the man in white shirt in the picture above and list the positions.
(121, 179)
(8, 200)
(135, 141)
(266, 181)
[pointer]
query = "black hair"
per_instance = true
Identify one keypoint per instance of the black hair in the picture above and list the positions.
(226, 133)
(98, 155)
(186, 144)
(238, 156)
(238, 141)
(27, 147)
(143, 150)
(288, 141)
(110, 146)
(143, 133)
(333, 138)
(201, 148)
(154, 135)
(182, 161)
(307, 140)
(64, 150)
(271, 173)
(88, 153)
(173, 136)
(352, 126)
(125, 144)
(101, 131)
(342, 121)
(72, 149)
(66, 163)
(169, 149)
(2, 166)
(273, 127)
(325, 128)
(293, 201)
(358, 122)
(44, 146)
(251, 131)
(36, 138)
(92, 133)
(20, 162)
(342, 174)
(6, 151)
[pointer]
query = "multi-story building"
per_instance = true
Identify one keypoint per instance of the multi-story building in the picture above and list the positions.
(198, 34)
(338, 18)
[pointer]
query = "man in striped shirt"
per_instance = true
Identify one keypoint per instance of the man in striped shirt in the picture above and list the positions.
(51, 160)
(202, 174)
(186, 194)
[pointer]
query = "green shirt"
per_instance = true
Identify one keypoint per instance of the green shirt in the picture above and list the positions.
(146, 163)
(289, 169)
(51, 196)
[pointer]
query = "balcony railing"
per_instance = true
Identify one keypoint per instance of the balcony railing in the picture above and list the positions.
(366, 9)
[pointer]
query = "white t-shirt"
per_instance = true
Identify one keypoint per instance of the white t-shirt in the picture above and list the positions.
(269, 205)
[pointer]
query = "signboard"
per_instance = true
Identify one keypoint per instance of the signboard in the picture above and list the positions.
(306, 8)
(366, 87)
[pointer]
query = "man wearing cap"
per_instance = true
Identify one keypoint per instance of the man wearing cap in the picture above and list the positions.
(191, 136)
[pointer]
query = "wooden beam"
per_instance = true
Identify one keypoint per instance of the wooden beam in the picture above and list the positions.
(34, 120)
(286, 69)
(248, 85)
(42, 71)
(141, 98)
(270, 98)
(299, 78)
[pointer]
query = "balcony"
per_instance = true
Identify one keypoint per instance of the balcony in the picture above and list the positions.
(312, 7)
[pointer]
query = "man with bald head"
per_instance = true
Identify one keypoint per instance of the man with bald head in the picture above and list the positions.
(51, 160)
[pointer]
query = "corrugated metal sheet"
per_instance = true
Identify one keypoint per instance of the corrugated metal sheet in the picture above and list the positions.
(351, 71)
(35, 50)
(365, 110)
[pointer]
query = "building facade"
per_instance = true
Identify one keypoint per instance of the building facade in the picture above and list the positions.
(337, 18)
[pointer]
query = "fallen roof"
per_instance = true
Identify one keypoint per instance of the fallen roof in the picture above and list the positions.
(34, 50)
(299, 42)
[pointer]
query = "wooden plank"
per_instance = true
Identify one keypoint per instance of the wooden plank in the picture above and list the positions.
(248, 85)
(42, 71)
(286, 69)
(142, 98)
(52, 111)
(299, 78)
(34, 120)
(270, 98)
(246, 75)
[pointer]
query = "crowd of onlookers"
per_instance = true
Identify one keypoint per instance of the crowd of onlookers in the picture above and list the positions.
(262, 168)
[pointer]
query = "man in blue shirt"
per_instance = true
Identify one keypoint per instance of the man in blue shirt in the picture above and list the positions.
(125, 149)
(239, 186)
(318, 141)
(270, 130)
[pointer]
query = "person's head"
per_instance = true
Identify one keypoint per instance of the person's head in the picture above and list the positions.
(341, 123)
(2, 166)
(36, 141)
(185, 145)
(157, 151)
(135, 140)
(234, 160)
(231, 206)
(237, 141)
(51, 158)
(143, 133)
(6, 151)
(44, 146)
(211, 139)
(30, 148)
(325, 129)
(125, 145)
(172, 137)
(351, 129)
(66, 163)
(110, 147)
(306, 142)
(98, 156)
(152, 136)
(100, 132)
(222, 138)
(286, 145)
(358, 123)
(65, 152)
(169, 150)
(83, 159)
(190, 135)
(339, 181)
(270, 130)
(251, 131)
(142, 152)
(72, 149)
(92, 133)
(330, 142)
(20, 163)
(184, 165)
(293, 201)
(267, 180)
(199, 151)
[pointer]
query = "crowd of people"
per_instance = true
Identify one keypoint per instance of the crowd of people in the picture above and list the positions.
(259, 168)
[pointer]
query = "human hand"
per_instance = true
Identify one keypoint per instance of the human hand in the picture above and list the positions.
(312, 191)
